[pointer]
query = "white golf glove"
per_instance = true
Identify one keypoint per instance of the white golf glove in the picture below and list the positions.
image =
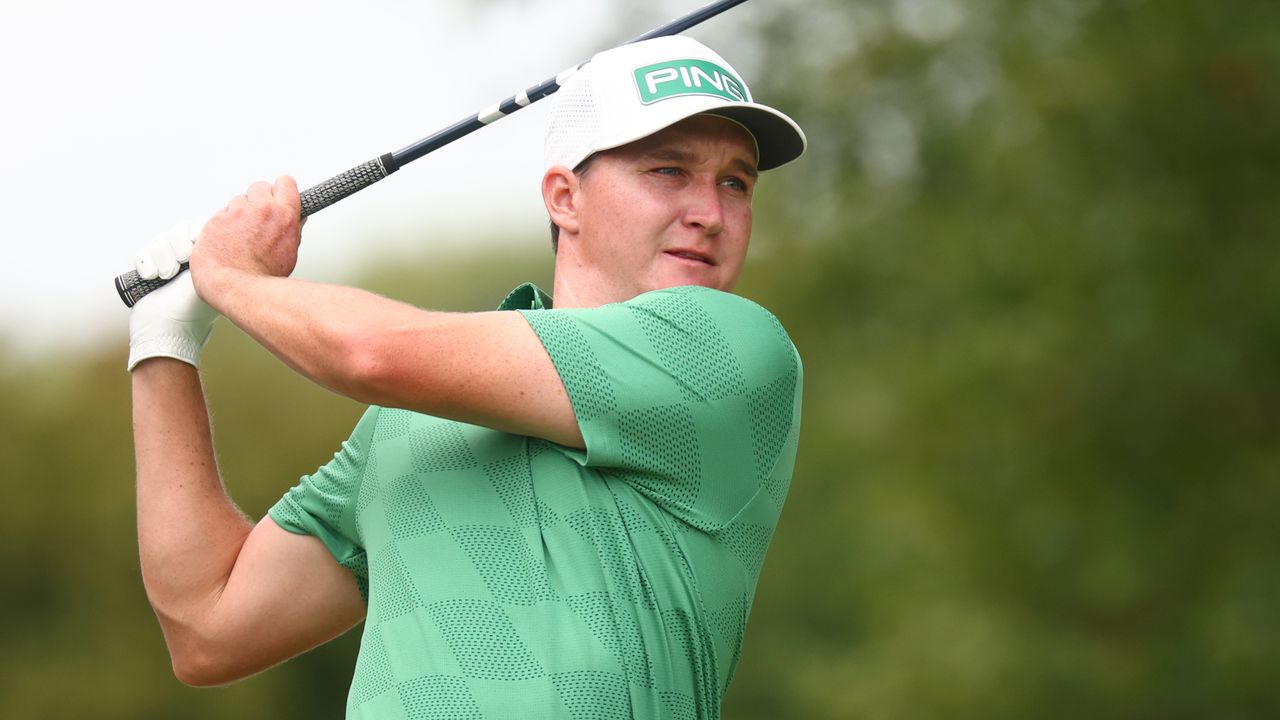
(172, 321)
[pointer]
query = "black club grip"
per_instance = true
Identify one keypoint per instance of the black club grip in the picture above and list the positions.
(315, 199)
(133, 288)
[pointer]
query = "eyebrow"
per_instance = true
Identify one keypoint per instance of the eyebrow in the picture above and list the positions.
(675, 155)
(746, 168)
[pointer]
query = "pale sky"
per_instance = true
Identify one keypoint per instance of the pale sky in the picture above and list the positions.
(123, 117)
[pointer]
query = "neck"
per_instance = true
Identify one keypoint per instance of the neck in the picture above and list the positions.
(563, 292)
(577, 283)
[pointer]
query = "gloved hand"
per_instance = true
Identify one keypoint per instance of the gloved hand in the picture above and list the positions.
(172, 321)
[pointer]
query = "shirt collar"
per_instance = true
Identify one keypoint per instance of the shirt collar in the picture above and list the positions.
(526, 297)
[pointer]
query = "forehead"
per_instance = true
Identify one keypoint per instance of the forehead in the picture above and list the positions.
(709, 134)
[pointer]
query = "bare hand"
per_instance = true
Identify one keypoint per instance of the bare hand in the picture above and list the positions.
(257, 233)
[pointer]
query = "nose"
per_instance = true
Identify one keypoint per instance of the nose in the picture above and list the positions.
(704, 209)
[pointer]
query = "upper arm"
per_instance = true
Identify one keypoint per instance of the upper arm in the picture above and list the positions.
(285, 595)
(486, 369)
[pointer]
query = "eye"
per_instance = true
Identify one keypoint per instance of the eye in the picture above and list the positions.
(668, 171)
(737, 184)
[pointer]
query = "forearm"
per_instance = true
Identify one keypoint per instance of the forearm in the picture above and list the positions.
(336, 336)
(486, 369)
(189, 530)
(331, 334)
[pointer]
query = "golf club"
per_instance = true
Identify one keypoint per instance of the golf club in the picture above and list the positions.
(133, 287)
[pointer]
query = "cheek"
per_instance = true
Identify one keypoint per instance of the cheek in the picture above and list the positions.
(632, 226)
(601, 226)
(742, 234)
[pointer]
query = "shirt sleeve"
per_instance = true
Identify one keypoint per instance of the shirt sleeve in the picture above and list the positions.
(323, 504)
(689, 395)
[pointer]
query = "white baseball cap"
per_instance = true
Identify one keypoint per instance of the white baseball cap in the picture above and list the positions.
(633, 91)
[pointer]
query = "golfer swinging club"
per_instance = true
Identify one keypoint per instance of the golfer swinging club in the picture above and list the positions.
(547, 511)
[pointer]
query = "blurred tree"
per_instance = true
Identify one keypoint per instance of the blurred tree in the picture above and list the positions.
(1028, 262)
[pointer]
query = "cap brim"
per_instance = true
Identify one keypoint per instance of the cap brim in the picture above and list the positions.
(778, 137)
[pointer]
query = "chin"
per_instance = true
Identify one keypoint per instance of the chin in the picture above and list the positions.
(685, 280)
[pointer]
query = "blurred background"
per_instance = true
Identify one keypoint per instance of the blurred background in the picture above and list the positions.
(1030, 262)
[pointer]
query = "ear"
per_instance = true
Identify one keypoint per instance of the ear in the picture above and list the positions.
(560, 195)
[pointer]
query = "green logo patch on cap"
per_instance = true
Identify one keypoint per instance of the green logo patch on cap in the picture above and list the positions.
(688, 77)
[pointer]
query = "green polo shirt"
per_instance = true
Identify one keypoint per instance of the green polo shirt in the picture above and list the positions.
(507, 576)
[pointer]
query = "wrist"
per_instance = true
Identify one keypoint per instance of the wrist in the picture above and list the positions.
(214, 284)
(171, 322)
(157, 367)
(166, 346)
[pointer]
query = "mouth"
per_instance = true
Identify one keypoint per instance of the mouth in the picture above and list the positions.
(691, 256)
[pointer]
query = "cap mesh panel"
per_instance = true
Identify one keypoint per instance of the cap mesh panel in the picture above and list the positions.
(574, 123)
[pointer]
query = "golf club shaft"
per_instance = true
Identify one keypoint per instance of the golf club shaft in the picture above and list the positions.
(133, 287)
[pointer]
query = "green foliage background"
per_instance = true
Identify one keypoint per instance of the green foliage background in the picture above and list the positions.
(1030, 263)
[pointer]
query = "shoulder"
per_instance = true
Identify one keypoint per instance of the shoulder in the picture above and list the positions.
(713, 319)
(693, 304)
(694, 342)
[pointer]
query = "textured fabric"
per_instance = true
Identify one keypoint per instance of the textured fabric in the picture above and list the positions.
(508, 576)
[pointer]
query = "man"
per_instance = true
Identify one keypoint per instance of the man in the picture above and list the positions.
(547, 513)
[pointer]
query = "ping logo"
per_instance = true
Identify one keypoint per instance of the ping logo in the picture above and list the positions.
(688, 77)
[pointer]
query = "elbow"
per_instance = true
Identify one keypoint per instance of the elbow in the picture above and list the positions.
(364, 365)
(195, 651)
(197, 661)
(202, 670)
(195, 671)
(191, 667)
